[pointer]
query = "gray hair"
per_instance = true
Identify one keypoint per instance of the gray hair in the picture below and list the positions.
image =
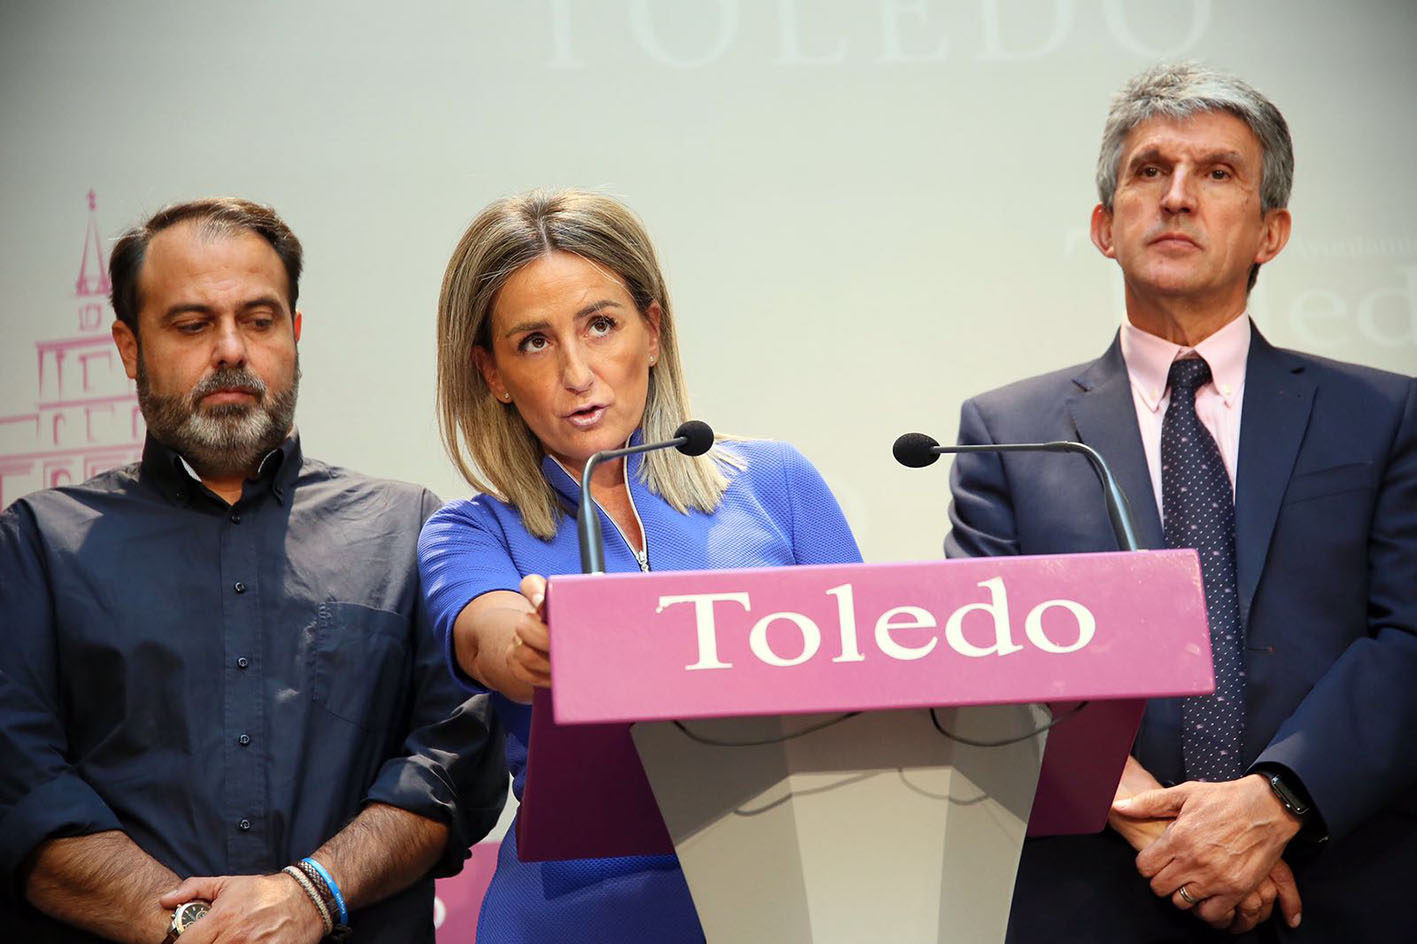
(1181, 89)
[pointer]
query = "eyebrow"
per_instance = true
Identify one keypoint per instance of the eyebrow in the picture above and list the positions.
(186, 308)
(525, 326)
(1153, 154)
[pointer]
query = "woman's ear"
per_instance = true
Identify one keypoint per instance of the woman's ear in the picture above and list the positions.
(653, 314)
(486, 365)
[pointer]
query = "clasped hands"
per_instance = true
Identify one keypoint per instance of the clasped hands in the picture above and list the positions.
(248, 908)
(1220, 842)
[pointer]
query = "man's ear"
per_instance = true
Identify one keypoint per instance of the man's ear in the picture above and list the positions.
(296, 321)
(486, 365)
(1102, 231)
(1277, 224)
(127, 344)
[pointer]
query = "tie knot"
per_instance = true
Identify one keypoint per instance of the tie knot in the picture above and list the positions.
(1188, 375)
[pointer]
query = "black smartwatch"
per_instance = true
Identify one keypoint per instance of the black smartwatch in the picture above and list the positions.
(1292, 799)
(1290, 792)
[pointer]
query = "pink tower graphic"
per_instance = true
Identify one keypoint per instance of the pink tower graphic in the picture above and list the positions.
(85, 417)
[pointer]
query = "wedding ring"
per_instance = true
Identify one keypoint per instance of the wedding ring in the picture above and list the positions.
(1187, 896)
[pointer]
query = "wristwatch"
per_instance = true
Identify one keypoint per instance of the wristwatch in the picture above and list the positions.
(1287, 795)
(184, 917)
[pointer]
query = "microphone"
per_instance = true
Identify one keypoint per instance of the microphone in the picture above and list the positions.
(692, 438)
(918, 450)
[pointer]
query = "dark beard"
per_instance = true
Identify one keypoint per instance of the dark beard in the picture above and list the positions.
(225, 440)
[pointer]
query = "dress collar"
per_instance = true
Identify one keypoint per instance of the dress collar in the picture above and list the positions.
(568, 485)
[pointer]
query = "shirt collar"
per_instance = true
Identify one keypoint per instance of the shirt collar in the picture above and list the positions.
(176, 479)
(1148, 359)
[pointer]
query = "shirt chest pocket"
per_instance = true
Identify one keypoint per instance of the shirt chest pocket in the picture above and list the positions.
(358, 660)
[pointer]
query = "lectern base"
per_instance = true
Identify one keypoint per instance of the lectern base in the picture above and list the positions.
(877, 827)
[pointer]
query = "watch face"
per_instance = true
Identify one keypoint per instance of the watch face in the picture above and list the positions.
(187, 915)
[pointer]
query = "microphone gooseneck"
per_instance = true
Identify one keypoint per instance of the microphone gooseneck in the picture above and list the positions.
(692, 438)
(917, 450)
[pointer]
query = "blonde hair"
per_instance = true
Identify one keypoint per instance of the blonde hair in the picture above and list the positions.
(490, 444)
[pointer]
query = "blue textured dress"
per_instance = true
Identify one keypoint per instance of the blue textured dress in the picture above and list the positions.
(776, 511)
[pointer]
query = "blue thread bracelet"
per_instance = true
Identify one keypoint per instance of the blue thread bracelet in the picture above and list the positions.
(334, 889)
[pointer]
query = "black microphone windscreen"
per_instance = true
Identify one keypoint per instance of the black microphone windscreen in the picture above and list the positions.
(915, 450)
(697, 436)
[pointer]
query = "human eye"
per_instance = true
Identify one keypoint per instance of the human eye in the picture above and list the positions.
(601, 325)
(533, 344)
(1149, 171)
(189, 326)
(1219, 173)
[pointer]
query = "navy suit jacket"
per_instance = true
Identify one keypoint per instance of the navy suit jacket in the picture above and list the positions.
(1326, 565)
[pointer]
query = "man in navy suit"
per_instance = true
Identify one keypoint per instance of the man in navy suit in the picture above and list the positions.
(1314, 834)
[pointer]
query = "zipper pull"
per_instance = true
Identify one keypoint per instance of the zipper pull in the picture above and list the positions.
(643, 558)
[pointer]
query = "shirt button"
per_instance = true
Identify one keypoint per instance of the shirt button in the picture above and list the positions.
(239, 587)
(243, 740)
(244, 825)
(236, 517)
(243, 662)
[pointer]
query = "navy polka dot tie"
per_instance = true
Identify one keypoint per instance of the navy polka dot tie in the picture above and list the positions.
(1199, 510)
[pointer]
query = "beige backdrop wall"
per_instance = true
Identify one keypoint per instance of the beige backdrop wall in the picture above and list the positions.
(867, 210)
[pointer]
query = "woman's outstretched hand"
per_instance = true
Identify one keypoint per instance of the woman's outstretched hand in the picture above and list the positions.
(529, 650)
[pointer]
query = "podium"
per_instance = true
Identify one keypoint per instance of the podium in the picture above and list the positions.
(847, 753)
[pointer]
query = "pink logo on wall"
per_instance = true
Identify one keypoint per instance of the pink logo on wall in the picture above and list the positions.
(85, 417)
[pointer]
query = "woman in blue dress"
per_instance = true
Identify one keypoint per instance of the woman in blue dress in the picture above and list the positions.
(555, 341)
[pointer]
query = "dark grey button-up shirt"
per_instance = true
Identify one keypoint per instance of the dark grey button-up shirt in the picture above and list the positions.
(229, 685)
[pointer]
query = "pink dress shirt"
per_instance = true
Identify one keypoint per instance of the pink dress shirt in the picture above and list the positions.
(1218, 403)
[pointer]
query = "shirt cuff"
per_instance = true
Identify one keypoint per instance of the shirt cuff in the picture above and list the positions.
(454, 774)
(63, 807)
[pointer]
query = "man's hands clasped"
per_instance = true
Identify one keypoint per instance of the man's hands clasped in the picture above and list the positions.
(249, 909)
(1214, 849)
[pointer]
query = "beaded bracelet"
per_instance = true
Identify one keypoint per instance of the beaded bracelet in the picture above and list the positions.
(304, 882)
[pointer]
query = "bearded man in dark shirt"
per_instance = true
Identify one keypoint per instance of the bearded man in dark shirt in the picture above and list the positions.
(216, 661)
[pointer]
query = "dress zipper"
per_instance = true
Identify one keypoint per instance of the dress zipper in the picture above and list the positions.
(641, 557)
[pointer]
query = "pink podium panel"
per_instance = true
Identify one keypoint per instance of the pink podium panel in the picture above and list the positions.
(797, 640)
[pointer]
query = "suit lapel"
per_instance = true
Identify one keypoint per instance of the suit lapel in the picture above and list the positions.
(1278, 398)
(1106, 420)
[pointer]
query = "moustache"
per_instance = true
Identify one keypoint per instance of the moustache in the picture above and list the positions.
(229, 378)
(1165, 228)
